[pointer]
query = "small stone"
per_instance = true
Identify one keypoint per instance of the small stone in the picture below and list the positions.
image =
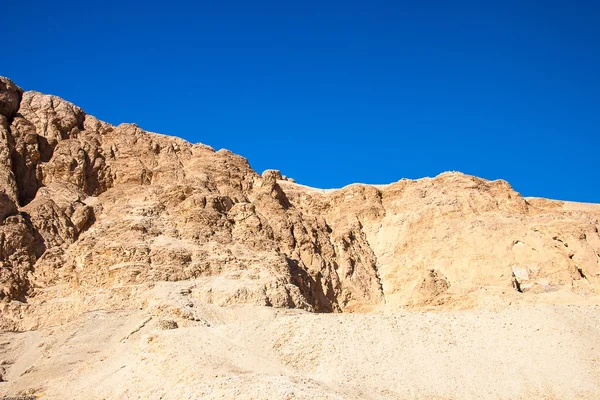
(166, 324)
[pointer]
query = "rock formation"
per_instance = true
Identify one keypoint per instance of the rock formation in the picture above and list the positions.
(137, 265)
(93, 216)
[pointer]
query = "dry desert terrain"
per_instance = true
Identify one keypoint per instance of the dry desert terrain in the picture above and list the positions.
(135, 265)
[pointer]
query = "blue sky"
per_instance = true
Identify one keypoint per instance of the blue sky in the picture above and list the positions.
(334, 92)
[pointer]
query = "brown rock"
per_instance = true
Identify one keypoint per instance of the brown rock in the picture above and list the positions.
(93, 208)
(10, 97)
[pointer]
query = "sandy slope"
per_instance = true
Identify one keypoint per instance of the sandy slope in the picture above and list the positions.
(521, 352)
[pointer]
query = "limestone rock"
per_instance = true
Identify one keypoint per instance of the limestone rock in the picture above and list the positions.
(101, 217)
(8, 185)
(166, 324)
(10, 97)
(272, 175)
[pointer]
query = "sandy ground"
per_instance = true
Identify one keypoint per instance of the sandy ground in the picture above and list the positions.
(522, 352)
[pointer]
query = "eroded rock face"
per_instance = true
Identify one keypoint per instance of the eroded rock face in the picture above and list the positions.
(10, 97)
(95, 215)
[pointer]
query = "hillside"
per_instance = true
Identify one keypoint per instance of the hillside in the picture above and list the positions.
(109, 232)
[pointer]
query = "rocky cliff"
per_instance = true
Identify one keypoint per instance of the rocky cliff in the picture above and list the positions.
(95, 216)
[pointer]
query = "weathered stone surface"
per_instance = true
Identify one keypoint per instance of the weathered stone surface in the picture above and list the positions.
(91, 213)
(8, 186)
(10, 97)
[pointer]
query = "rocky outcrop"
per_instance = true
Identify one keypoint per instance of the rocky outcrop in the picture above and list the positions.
(96, 215)
(10, 98)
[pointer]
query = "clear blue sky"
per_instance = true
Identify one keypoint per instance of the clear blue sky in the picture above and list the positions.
(335, 92)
